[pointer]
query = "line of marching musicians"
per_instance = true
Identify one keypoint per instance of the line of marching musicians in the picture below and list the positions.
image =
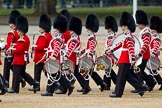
(67, 31)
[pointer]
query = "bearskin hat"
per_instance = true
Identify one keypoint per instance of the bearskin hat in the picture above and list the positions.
(66, 13)
(127, 19)
(75, 25)
(156, 23)
(111, 23)
(141, 17)
(60, 23)
(92, 22)
(45, 22)
(22, 24)
(13, 15)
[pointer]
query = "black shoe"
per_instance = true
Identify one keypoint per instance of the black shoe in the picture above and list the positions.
(11, 91)
(114, 96)
(0, 100)
(47, 94)
(103, 86)
(60, 91)
(32, 89)
(4, 90)
(141, 93)
(71, 88)
(160, 87)
(152, 87)
(23, 83)
(134, 91)
(82, 90)
(36, 87)
(86, 91)
(144, 87)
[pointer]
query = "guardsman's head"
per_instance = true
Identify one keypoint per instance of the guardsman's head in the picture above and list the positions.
(45, 23)
(75, 25)
(156, 24)
(22, 25)
(60, 24)
(111, 24)
(141, 19)
(127, 22)
(12, 18)
(92, 23)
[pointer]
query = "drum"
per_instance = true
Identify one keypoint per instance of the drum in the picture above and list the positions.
(52, 66)
(153, 63)
(120, 38)
(68, 67)
(86, 64)
(103, 63)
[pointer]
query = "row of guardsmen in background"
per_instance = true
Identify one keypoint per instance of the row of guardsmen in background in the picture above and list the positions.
(67, 30)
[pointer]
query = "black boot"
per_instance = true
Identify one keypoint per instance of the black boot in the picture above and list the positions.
(23, 83)
(159, 80)
(36, 87)
(3, 91)
(47, 94)
(103, 86)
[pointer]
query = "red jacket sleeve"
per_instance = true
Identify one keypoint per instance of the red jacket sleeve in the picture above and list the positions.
(56, 45)
(41, 43)
(9, 40)
(130, 44)
(156, 45)
(71, 47)
(146, 40)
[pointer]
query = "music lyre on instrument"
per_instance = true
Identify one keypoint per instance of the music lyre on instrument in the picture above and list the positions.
(85, 65)
(68, 69)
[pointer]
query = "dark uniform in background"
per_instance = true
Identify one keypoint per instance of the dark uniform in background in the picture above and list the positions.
(41, 46)
(12, 38)
(21, 56)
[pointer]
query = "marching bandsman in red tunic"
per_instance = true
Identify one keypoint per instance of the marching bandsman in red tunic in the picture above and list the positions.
(20, 52)
(54, 50)
(67, 36)
(111, 27)
(92, 26)
(145, 39)
(12, 38)
(127, 56)
(156, 28)
(73, 47)
(41, 47)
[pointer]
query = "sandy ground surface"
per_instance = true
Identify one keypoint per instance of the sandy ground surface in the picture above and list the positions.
(95, 99)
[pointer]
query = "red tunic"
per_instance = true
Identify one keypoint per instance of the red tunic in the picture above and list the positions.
(155, 44)
(12, 38)
(108, 43)
(55, 45)
(73, 47)
(21, 46)
(41, 47)
(145, 39)
(127, 46)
